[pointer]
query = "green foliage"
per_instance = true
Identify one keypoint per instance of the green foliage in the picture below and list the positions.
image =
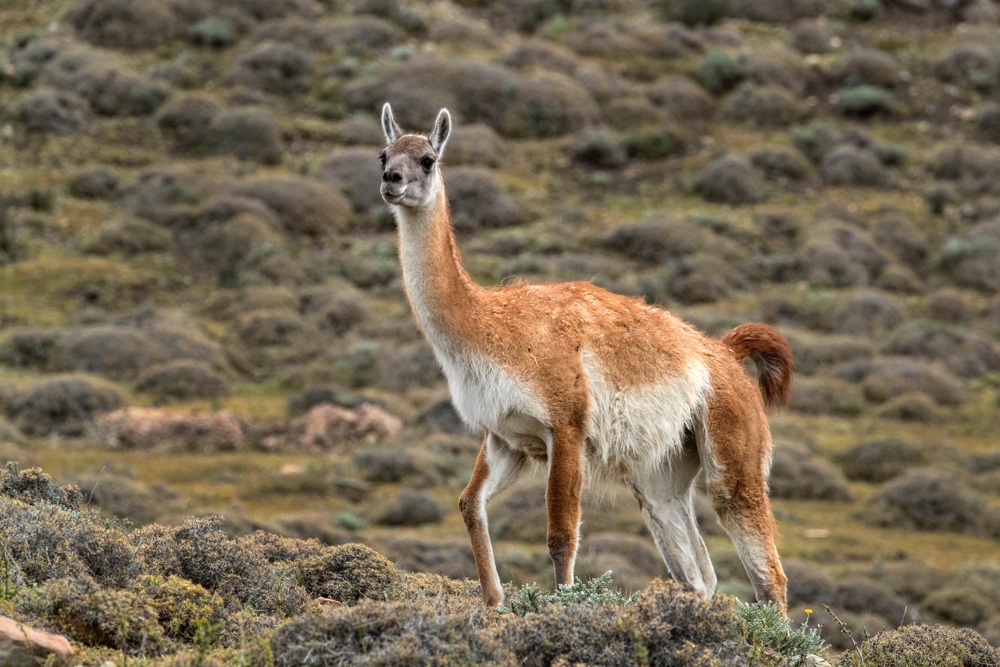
(720, 72)
(773, 639)
(694, 13)
(865, 101)
(597, 591)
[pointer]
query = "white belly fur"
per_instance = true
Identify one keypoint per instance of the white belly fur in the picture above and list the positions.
(637, 430)
(633, 430)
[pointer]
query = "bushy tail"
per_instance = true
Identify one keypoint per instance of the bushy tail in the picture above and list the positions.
(772, 355)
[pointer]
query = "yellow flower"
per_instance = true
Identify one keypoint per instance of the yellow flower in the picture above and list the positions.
(809, 611)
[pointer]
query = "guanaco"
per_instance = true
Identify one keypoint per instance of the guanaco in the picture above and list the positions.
(596, 386)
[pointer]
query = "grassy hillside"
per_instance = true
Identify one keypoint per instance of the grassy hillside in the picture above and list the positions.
(201, 310)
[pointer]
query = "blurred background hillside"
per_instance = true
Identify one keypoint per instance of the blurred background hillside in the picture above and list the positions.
(200, 301)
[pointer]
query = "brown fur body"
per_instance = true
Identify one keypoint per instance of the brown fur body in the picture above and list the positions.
(594, 385)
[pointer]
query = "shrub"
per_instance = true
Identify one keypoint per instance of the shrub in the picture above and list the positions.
(962, 605)
(922, 646)
(730, 180)
(599, 148)
(864, 595)
(863, 312)
(355, 172)
(170, 196)
(61, 405)
(864, 101)
(866, 66)
(812, 36)
(348, 574)
(962, 162)
(547, 105)
(419, 87)
(30, 348)
(966, 354)
(967, 257)
(848, 165)
(763, 106)
(807, 583)
(303, 207)
(653, 144)
(720, 72)
(337, 310)
(693, 13)
(878, 461)
(182, 380)
(797, 473)
(182, 608)
(477, 201)
(475, 144)
(812, 353)
(393, 633)
(32, 486)
(49, 111)
(925, 500)
(246, 133)
(364, 35)
(411, 508)
(973, 63)
(904, 239)
(682, 98)
(781, 162)
(825, 395)
(116, 24)
(766, 627)
(264, 328)
(213, 31)
(93, 615)
(119, 353)
(887, 378)
(110, 88)
(281, 69)
(186, 122)
(814, 139)
(94, 183)
(121, 496)
(656, 240)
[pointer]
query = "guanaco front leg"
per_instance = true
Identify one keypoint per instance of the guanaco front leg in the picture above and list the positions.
(496, 467)
(562, 500)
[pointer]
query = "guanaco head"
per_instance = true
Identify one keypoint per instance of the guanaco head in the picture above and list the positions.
(410, 174)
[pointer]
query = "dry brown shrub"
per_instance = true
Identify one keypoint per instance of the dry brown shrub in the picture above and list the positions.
(50, 111)
(867, 66)
(824, 395)
(186, 121)
(547, 104)
(763, 106)
(353, 171)
(886, 378)
(248, 133)
(161, 430)
(61, 405)
(303, 207)
(182, 380)
(925, 499)
(171, 195)
(922, 644)
(797, 473)
(121, 496)
(274, 67)
(778, 162)
(108, 86)
(682, 98)
(862, 312)
(879, 461)
(411, 508)
(730, 179)
(128, 24)
(327, 426)
(477, 200)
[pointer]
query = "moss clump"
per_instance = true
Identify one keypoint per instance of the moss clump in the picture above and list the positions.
(923, 646)
(347, 574)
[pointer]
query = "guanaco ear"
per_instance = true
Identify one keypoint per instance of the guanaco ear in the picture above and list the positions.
(441, 131)
(389, 126)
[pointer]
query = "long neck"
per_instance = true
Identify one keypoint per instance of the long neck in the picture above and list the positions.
(444, 298)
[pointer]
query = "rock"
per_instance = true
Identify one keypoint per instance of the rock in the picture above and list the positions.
(326, 426)
(21, 645)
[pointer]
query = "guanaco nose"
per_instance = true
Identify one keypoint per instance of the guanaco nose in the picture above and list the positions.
(393, 175)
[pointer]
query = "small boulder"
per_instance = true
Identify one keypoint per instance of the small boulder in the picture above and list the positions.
(22, 646)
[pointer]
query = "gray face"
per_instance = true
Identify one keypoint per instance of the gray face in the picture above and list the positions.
(409, 172)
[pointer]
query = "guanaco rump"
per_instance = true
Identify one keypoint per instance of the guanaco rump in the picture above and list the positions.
(596, 386)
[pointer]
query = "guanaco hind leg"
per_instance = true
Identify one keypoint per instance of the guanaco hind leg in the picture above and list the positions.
(665, 498)
(737, 483)
(496, 467)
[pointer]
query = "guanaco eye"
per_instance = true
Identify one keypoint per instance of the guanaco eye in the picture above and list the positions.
(381, 158)
(427, 163)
